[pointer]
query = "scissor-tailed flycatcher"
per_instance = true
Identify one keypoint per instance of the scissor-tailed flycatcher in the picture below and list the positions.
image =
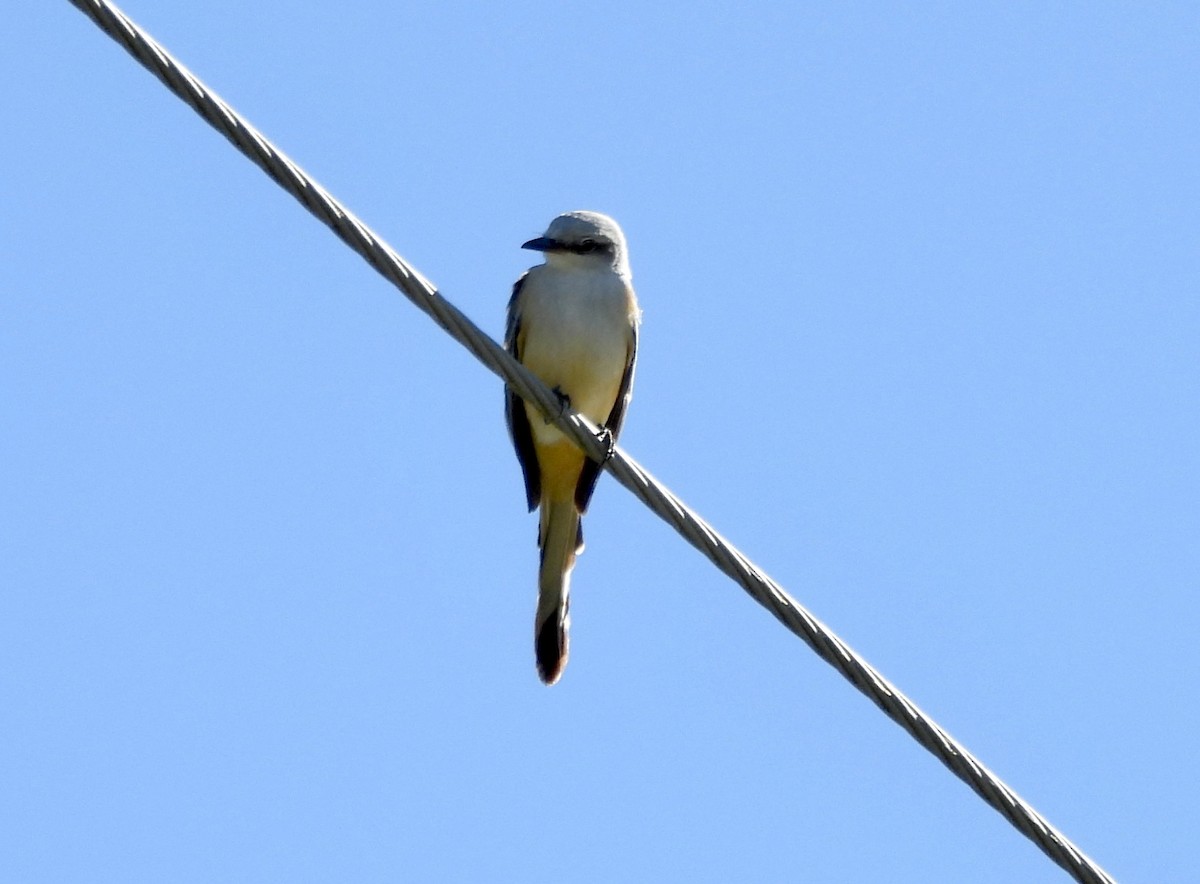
(573, 322)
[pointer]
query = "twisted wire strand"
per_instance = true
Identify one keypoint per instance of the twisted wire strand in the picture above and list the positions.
(628, 472)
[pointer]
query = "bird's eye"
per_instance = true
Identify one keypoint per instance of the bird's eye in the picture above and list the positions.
(587, 245)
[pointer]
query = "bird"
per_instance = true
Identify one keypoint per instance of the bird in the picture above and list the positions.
(573, 321)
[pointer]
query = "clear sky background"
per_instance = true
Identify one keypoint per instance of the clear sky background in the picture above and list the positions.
(921, 334)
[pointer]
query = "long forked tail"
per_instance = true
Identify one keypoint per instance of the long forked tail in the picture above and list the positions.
(560, 538)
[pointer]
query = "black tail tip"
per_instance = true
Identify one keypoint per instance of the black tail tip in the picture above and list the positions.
(551, 647)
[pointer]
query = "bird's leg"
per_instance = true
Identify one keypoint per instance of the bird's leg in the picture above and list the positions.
(564, 405)
(609, 441)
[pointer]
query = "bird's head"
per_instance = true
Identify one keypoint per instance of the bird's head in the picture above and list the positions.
(583, 239)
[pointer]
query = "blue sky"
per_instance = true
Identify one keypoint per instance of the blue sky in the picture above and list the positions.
(920, 336)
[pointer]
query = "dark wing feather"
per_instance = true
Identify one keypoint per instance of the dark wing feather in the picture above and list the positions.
(514, 409)
(616, 419)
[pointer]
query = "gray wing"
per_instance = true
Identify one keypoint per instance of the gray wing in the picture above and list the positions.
(616, 419)
(514, 408)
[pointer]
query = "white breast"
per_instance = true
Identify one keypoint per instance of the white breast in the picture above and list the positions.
(577, 328)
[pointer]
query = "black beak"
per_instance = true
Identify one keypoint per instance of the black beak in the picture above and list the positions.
(541, 244)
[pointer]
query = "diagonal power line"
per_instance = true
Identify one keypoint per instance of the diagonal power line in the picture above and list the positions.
(628, 472)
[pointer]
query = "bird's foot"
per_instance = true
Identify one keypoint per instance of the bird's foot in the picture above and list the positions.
(609, 441)
(564, 405)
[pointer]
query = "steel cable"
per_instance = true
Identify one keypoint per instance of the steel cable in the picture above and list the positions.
(627, 471)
